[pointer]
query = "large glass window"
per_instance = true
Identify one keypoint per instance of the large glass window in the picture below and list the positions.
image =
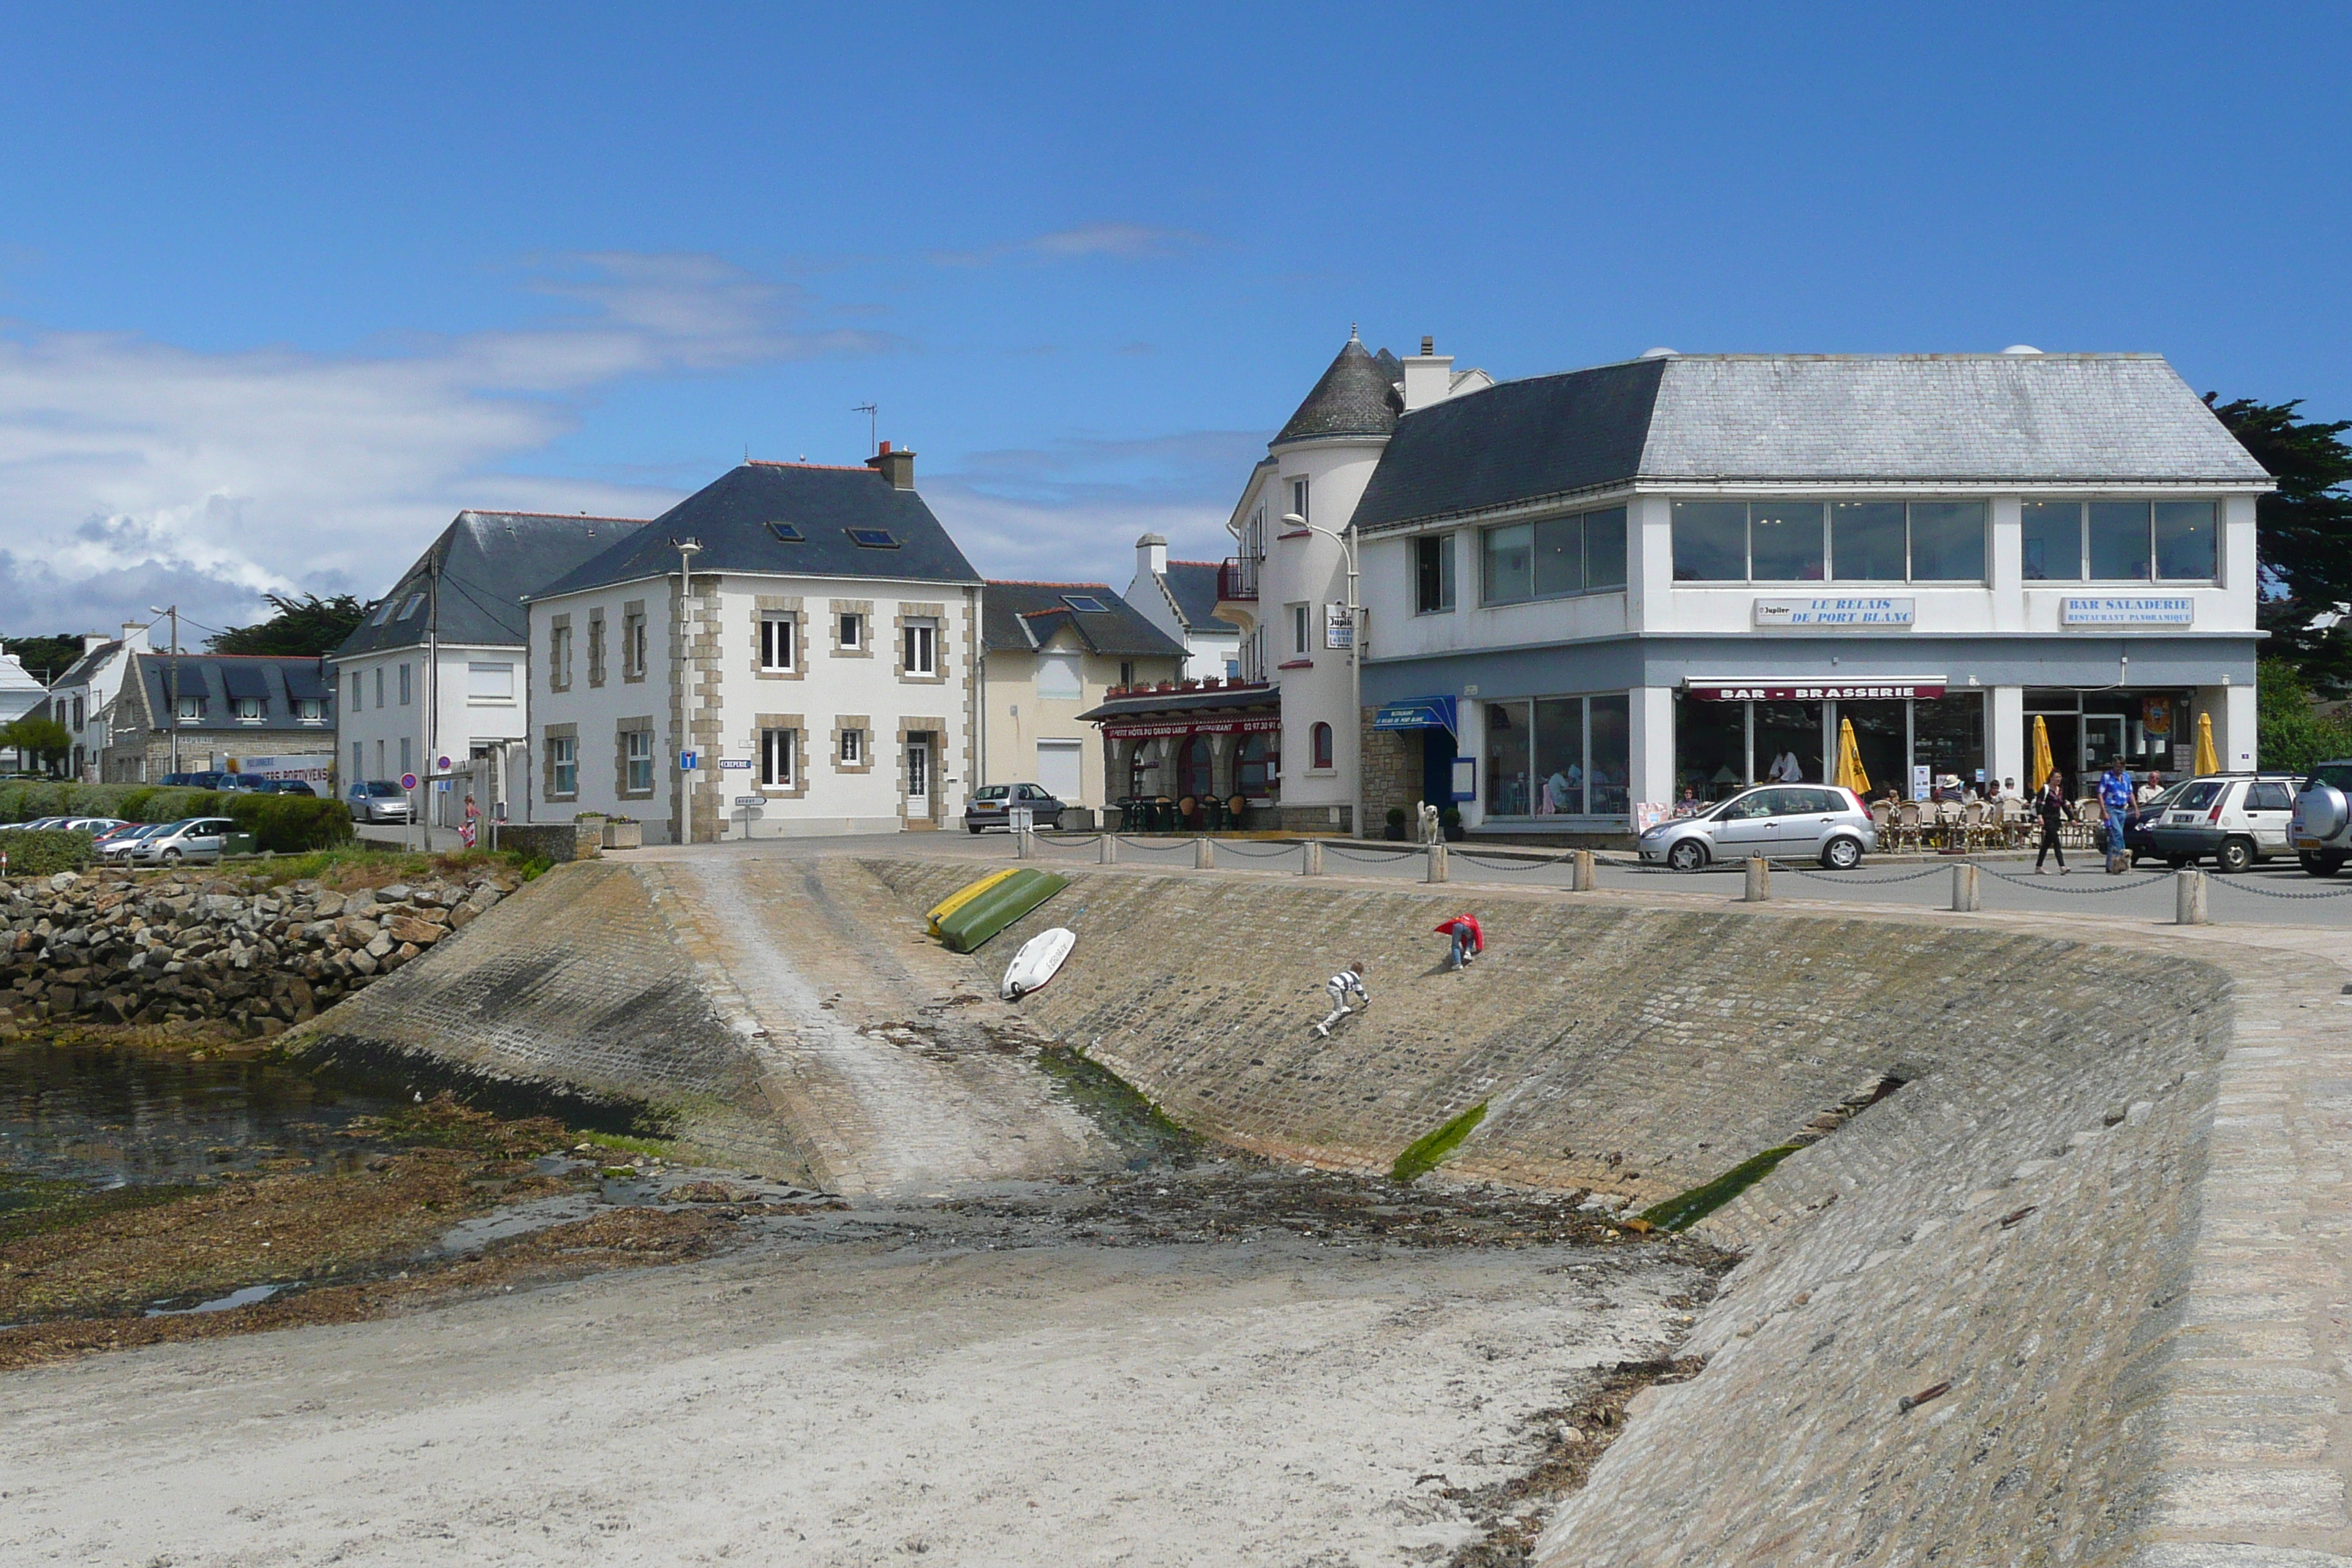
(2049, 540)
(1510, 564)
(1559, 757)
(2119, 541)
(1866, 540)
(1609, 774)
(1948, 541)
(1947, 735)
(1880, 735)
(1787, 743)
(1432, 573)
(2185, 545)
(1507, 758)
(1559, 557)
(1785, 542)
(1710, 749)
(1710, 540)
(1556, 558)
(1604, 549)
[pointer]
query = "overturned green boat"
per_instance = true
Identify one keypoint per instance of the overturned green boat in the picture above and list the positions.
(965, 928)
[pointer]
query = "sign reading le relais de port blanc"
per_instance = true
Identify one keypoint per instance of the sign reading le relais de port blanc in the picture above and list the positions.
(2129, 610)
(1844, 611)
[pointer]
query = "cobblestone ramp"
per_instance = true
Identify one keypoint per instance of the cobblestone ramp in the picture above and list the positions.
(2099, 1238)
(900, 1069)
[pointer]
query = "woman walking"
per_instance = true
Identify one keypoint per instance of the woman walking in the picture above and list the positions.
(2050, 805)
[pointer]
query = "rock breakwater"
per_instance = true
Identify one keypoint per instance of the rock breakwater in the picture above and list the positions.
(132, 949)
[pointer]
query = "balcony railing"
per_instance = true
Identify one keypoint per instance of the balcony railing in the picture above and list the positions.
(1237, 577)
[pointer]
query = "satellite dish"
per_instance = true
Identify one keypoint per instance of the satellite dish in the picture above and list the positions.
(2020, 349)
(1658, 354)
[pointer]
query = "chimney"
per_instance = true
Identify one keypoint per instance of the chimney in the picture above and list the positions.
(92, 641)
(1152, 556)
(134, 637)
(1428, 377)
(897, 467)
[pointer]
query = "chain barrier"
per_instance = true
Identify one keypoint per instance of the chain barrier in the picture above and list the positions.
(1227, 847)
(1379, 858)
(1847, 878)
(2041, 885)
(2236, 886)
(1513, 863)
(1072, 840)
(1154, 845)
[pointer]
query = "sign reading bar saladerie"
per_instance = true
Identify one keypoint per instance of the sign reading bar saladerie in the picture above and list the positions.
(1785, 690)
(1144, 729)
(2129, 610)
(1844, 611)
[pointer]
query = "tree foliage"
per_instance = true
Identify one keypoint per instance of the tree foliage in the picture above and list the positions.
(38, 735)
(44, 657)
(304, 627)
(2293, 734)
(2303, 534)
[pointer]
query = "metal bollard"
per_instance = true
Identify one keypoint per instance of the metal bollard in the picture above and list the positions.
(1965, 896)
(2188, 898)
(1311, 858)
(1579, 872)
(1204, 855)
(1108, 854)
(1759, 880)
(1023, 848)
(1436, 863)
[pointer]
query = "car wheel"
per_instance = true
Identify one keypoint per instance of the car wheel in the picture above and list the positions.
(2234, 856)
(1842, 854)
(1687, 855)
(2322, 864)
(972, 828)
(171, 857)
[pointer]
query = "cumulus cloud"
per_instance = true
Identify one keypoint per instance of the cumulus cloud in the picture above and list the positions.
(131, 470)
(1072, 512)
(1117, 241)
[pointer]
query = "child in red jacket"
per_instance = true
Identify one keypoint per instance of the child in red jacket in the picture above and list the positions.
(1468, 940)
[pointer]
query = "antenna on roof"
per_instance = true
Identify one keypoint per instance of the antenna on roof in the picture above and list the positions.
(873, 425)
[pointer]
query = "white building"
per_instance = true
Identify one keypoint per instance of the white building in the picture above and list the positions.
(436, 667)
(82, 698)
(1049, 652)
(1598, 591)
(821, 671)
(1180, 598)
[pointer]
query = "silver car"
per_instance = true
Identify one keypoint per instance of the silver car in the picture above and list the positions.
(200, 838)
(1779, 822)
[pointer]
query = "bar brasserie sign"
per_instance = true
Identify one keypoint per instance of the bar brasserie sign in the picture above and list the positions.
(1792, 690)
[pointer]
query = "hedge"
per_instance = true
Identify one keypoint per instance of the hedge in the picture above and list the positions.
(287, 823)
(46, 852)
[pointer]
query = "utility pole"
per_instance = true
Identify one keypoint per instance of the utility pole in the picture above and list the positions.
(432, 687)
(687, 549)
(171, 680)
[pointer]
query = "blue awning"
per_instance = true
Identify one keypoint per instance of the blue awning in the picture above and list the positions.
(1420, 713)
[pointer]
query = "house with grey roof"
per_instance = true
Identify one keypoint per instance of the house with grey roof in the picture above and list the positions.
(1180, 598)
(82, 698)
(1050, 652)
(792, 648)
(1590, 596)
(435, 669)
(214, 712)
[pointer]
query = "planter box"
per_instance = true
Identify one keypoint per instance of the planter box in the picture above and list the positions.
(624, 835)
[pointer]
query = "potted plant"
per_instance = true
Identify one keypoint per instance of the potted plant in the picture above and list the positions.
(1450, 819)
(1396, 825)
(624, 833)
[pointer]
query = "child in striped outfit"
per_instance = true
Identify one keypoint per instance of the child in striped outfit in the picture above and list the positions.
(1349, 981)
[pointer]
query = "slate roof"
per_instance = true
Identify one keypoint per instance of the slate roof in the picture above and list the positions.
(79, 671)
(2089, 420)
(730, 517)
(488, 561)
(1193, 585)
(219, 677)
(1357, 397)
(1023, 617)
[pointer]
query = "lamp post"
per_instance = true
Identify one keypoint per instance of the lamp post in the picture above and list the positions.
(687, 550)
(1347, 542)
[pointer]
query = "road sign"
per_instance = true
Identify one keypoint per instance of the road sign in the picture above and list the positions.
(689, 761)
(731, 764)
(445, 764)
(408, 781)
(750, 800)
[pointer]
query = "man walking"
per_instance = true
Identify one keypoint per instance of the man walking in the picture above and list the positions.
(2116, 800)
(1349, 981)
(1469, 942)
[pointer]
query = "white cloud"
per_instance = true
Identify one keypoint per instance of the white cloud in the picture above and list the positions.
(132, 469)
(1117, 241)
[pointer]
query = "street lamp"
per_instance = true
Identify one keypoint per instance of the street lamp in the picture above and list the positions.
(687, 550)
(1347, 542)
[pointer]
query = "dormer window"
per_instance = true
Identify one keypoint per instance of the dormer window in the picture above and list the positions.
(248, 709)
(191, 709)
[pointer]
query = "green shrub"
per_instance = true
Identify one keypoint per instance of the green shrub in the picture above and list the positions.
(45, 853)
(1425, 1152)
(24, 801)
(290, 824)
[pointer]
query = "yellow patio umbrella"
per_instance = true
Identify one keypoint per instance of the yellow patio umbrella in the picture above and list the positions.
(2043, 763)
(1849, 774)
(2208, 760)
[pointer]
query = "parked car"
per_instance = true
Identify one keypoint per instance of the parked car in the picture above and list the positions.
(2140, 823)
(291, 786)
(97, 826)
(198, 838)
(992, 806)
(117, 845)
(38, 825)
(377, 800)
(1779, 822)
(2238, 819)
(2321, 827)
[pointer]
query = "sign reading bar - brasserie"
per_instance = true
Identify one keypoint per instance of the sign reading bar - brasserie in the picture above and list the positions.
(1842, 612)
(1786, 690)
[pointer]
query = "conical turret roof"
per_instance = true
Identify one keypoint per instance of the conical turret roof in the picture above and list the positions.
(1356, 397)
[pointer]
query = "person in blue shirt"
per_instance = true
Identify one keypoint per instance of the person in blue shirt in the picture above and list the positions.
(2116, 799)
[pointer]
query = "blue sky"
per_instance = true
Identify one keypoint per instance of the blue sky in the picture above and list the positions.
(281, 288)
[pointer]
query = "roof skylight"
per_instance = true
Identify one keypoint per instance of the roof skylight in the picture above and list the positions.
(789, 533)
(1087, 602)
(872, 538)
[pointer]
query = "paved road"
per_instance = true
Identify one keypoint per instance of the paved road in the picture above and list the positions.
(2276, 895)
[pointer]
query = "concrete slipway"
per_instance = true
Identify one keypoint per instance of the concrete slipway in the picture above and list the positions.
(2105, 1205)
